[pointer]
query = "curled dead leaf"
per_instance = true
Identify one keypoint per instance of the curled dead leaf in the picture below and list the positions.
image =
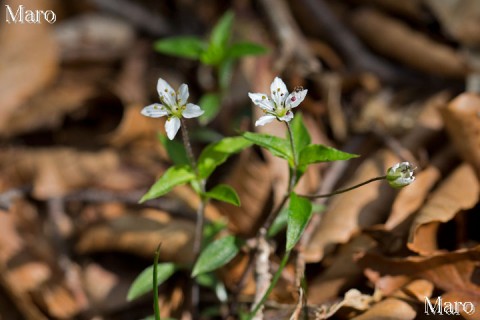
(459, 191)
(140, 236)
(462, 121)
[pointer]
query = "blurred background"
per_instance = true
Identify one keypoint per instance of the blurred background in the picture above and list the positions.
(388, 80)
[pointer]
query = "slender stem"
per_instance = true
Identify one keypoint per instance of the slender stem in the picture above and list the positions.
(188, 145)
(198, 237)
(155, 284)
(272, 285)
(293, 177)
(315, 196)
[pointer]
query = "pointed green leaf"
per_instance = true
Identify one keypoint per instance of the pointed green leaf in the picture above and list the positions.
(319, 153)
(299, 213)
(241, 49)
(185, 47)
(217, 153)
(224, 193)
(301, 137)
(221, 32)
(176, 150)
(225, 73)
(173, 177)
(279, 223)
(277, 146)
(144, 281)
(210, 103)
(217, 254)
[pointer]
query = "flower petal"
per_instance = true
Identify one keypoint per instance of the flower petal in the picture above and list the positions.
(192, 111)
(295, 98)
(261, 100)
(287, 117)
(279, 91)
(182, 95)
(166, 93)
(155, 110)
(171, 126)
(264, 120)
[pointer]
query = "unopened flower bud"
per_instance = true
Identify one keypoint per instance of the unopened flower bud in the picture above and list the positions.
(400, 175)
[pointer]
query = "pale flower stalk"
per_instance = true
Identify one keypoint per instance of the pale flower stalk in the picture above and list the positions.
(173, 105)
(280, 104)
(400, 175)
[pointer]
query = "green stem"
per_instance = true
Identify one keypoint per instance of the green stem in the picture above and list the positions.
(293, 178)
(315, 196)
(188, 145)
(272, 285)
(198, 237)
(155, 284)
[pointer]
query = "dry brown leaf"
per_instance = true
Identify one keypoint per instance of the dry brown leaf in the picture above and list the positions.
(25, 267)
(459, 18)
(400, 42)
(349, 212)
(410, 199)
(57, 301)
(48, 108)
(453, 272)
(389, 309)
(56, 172)
(140, 236)
(462, 120)
(28, 60)
(460, 191)
(353, 298)
(408, 8)
(342, 273)
(252, 180)
(94, 37)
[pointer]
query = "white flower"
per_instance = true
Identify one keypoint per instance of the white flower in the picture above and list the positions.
(174, 106)
(401, 175)
(279, 106)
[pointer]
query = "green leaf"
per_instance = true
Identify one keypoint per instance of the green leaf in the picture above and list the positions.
(217, 254)
(210, 103)
(319, 153)
(299, 213)
(217, 153)
(224, 193)
(212, 228)
(279, 223)
(144, 281)
(277, 146)
(241, 49)
(184, 46)
(210, 280)
(301, 137)
(173, 177)
(221, 32)
(176, 150)
(225, 73)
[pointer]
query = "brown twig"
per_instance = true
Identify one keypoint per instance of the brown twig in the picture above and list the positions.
(358, 57)
(139, 16)
(292, 42)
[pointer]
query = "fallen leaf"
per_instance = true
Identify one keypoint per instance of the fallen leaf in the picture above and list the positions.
(459, 18)
(29, 60)
(349, 212)
(459, 191)
(140, 236)
(462, 121)
(398, 41)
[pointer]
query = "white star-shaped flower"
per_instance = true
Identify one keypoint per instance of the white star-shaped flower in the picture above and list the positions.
(279, 106)
(173, 105)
